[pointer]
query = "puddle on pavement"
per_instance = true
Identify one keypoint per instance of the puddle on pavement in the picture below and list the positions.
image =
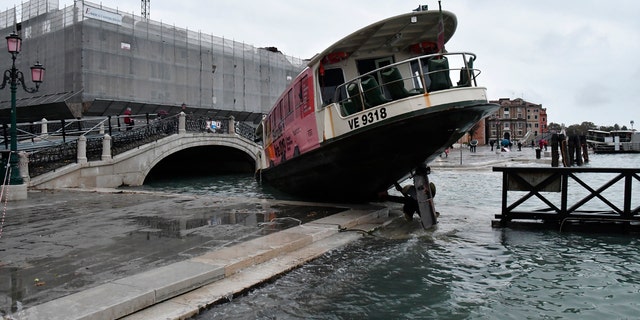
(272, 219)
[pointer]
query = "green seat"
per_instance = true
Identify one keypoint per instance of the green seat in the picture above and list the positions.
(356, 97)
(466, 74)
(372, 94)
(349, 107)
(439, 74)
(394, 83)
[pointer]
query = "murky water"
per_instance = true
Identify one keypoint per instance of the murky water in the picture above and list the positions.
(464, 269)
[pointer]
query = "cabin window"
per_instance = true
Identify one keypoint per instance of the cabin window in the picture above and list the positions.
(280, 113)
(285, 105)
(289, 102)
(272, 125)
(306, 105)
(297, 97)
(331, 79)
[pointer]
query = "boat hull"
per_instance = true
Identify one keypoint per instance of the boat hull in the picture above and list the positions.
(360, 166)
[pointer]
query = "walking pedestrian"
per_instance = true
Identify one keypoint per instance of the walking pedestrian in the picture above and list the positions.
(128, 121)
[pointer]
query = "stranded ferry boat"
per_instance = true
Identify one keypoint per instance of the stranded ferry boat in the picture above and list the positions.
(371, 110)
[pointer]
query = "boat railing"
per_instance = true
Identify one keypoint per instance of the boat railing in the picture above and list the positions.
(405, 79)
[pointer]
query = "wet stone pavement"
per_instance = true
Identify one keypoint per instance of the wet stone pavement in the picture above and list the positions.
(59, 242)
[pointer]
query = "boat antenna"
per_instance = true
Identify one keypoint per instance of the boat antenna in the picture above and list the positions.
(440, 30)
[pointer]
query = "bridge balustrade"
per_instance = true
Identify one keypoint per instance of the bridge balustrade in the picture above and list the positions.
(50, 145)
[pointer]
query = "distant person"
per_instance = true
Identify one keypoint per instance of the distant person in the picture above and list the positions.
(519, 146)
(491, 143)
(473, 145)
(212, 126)
(128, 120)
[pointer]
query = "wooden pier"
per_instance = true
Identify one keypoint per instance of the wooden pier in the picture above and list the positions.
(565, 197)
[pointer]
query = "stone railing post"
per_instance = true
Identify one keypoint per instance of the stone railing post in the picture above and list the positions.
(182, 123)
(82, 150)
(232, 125)
(44, 127)
(23, 165)
(106, 147)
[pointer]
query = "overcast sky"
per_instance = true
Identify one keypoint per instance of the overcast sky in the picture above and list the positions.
(573, 57)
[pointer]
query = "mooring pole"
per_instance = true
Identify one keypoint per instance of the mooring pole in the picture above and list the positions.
(426, 208)
(554, 150)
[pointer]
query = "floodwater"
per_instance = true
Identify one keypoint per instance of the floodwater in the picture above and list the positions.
(463, 269)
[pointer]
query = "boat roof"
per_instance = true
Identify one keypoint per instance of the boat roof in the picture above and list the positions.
(382, 35)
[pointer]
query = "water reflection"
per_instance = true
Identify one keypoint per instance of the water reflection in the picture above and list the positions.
(231, 185)
(271, 219)
(17, 290)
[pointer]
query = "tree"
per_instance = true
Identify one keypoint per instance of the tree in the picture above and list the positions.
(585, 126)
(474, 130)
(554, 127)
(574, 129)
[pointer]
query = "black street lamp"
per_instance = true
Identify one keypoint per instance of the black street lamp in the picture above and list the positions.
(15, 77)
(498, 138)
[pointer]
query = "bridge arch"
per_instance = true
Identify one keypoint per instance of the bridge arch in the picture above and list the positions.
(201, 160)
(192, 145)
(133, 166)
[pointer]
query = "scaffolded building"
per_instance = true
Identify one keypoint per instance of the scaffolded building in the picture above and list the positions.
(100, 61)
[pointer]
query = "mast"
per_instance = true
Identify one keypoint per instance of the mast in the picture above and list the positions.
(146, 9)
(440, 30)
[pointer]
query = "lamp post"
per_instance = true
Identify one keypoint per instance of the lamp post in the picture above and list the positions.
(498, 139)
(15, 77)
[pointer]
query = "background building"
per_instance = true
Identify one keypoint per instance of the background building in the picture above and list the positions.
(99, 61)
(517, 120)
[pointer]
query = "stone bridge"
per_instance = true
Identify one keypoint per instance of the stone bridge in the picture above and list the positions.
(131, 167)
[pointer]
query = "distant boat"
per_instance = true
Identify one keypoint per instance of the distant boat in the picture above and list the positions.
(370, 109)
(616, 141)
